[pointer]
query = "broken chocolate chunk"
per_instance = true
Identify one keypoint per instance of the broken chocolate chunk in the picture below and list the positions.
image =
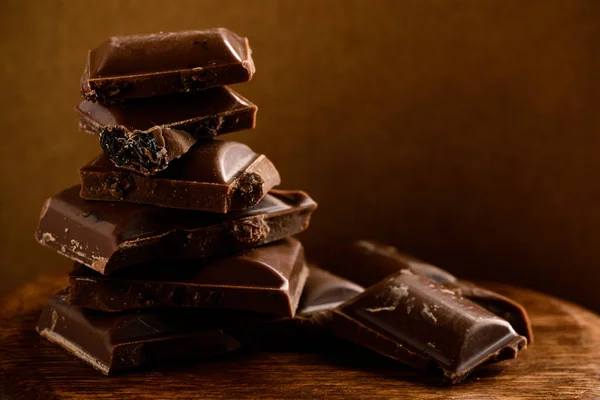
(213, 176)
(107, 236)
(268, 279)
(145, 135)
(368, 262)
(418, 322)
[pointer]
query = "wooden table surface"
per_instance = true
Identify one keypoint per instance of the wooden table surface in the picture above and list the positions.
(563, 363)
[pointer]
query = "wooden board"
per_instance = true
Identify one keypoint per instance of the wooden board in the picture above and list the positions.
(563, 363)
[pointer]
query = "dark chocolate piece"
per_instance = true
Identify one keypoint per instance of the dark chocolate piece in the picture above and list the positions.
(419, 322)
(107, 236)
(145, 135)
(368, 262)
(325, 291)
(116, 342)
(267, 279)
(308, 328)
(213, 176)
(161, 63)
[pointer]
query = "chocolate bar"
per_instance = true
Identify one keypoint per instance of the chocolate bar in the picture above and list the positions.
(118, 341)
(368, 262)
(268, 279)
(308, 328)
(145, 135)
(420, 323)
(161, 63)
(107, 236)
(214, 176)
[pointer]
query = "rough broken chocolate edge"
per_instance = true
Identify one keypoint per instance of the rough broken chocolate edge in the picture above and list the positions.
(247, 191)
(146, 152)
(253, 184)
(250, 231)
(174, 142)
(117, 185)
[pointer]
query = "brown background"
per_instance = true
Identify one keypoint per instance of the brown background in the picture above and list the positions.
(466, 132)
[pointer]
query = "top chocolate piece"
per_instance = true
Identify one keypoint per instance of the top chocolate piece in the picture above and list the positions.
(161, 63)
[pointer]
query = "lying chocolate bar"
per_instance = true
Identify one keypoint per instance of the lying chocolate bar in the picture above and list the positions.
(145, 135)
(115, 342)
(419, 322)
(214, 176)
(308, 328)
(368, 262)
(107, 236)
(161, 63)
(268, 279)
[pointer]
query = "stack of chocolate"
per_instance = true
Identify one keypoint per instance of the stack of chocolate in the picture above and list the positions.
(175, 235)
(183, 249)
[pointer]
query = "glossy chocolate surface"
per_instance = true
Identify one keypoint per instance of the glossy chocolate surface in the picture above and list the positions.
(160, 63)
(116, 342)
(267, 279)
(324, 291)
(308, 329)
(107, 236)
(215, 176)
(368, 262)
(145, 135)
(502, 306)
(419, 322)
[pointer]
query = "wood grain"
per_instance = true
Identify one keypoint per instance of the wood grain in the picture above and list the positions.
(564, 363)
